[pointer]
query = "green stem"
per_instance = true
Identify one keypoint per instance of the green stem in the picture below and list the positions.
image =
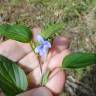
(32, 46)
(45, 78)
(62, 68)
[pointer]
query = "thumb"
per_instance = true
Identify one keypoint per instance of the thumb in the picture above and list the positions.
(36, 31)
(42, 91)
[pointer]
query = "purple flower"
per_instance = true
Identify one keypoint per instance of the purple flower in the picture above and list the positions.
(44, 46)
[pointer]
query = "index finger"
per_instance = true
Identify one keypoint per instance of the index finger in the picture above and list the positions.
(14, 50)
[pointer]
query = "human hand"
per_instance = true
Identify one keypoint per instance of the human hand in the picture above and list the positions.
(22, 53)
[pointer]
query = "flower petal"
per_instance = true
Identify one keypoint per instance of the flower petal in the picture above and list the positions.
(43, 48)
(40, 39)
(44, 52)
(38, 49)
(47, 43)
(41, 53)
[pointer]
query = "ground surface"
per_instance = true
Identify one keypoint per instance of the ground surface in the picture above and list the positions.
(79, 17)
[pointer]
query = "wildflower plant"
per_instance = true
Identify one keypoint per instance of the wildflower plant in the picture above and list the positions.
(13, 80)
(44, 46)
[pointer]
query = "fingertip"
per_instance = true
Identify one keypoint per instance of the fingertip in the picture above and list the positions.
(11, 48)
(36, 31)
(57, 60)
(34, 77)
(61, 43)
(56, 81)
(2, 94)
(29, 62)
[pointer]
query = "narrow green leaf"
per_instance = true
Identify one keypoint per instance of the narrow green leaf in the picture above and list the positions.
(16, 32)
(52, 30)
(79, 60)
(45, 77)
(12, 78)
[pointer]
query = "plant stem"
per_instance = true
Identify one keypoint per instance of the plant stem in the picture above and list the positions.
(32, 46)
(33, 49)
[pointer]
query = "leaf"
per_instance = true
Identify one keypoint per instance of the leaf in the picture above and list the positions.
(79, 60)
(12, 78)
(45, 77)
(16, 32)
(52, 30)
(94, 3)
